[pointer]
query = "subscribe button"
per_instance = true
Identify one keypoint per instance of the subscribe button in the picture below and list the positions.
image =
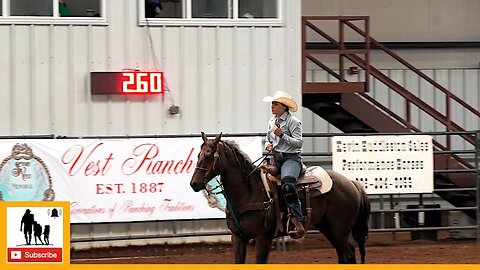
(36, 255)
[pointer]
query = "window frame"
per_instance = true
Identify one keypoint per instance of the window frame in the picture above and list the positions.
(5, 17)
(189, 21)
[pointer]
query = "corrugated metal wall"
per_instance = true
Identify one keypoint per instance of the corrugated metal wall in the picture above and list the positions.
(464, 83)
(217, 75)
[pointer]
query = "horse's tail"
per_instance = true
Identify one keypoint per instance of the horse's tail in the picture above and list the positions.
(360, 229)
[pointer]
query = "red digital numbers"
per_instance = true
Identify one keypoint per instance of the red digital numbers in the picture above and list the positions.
(142, 82)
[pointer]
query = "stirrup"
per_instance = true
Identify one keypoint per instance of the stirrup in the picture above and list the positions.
(298, 234)
(300, 230)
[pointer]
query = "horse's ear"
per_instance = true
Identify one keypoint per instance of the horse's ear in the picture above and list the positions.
(204, 137)
(219, 137)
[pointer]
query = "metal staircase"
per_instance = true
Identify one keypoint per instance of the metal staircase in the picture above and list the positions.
(347, 105)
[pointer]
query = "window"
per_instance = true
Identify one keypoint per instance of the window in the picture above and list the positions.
(164, 8)
(211, 12)
(37, 10)
(211, 9)
(257, 8)
(31, 8)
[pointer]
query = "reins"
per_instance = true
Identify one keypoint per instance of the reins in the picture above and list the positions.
(263, 157)
(264, 205)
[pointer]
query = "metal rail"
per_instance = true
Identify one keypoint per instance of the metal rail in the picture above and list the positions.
(170, 228)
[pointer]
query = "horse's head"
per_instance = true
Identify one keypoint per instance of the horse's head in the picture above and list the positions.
(206, 164)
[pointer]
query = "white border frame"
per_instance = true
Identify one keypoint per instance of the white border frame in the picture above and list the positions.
(235, 21)
(55, 19)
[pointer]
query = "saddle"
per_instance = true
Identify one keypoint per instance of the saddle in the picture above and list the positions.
(312, 182)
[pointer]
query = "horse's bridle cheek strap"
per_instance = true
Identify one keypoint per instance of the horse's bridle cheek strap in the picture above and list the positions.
(216, 169)
(211, 169)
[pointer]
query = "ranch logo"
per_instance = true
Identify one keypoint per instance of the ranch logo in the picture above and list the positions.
(214, 194)
(34, 234)
(25, 177)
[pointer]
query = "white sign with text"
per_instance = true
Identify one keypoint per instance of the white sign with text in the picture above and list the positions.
(386, 164)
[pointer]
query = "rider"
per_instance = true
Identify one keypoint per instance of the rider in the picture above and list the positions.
(284, 140)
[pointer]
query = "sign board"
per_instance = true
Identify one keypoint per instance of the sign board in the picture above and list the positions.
(127, 82)
(111, 180)
(386, 164)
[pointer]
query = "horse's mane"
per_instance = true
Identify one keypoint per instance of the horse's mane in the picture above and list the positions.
(243, 158)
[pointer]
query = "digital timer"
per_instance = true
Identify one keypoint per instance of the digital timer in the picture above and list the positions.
(127, 82)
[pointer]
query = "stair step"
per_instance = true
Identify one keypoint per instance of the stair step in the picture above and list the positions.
(445, 185)
(345, 120)
(462, 199)
(461, 196)
(364, 130)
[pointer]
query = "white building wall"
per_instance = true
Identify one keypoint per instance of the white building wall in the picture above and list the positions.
(217, 75)
(411, 21)
(407, 20)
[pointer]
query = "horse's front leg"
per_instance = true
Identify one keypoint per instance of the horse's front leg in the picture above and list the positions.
(262, 248)
(240, 248)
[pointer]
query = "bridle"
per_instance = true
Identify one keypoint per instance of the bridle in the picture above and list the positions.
(211, 167)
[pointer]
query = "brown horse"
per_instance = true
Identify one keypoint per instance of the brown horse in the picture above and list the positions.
(341, 212)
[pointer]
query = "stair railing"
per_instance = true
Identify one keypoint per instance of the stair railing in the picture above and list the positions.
(352, 55)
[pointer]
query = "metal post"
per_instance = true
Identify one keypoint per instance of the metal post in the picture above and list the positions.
(396, 217)
(477, 173)
(382, 214)
(420, 214)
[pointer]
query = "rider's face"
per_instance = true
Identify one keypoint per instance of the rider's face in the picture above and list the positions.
(278, 108)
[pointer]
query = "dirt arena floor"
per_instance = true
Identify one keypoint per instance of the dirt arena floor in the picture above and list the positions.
(382, 248)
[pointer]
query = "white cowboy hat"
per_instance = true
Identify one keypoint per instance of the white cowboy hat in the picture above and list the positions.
(283, 98)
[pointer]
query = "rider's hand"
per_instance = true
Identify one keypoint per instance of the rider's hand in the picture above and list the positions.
(268, 146)
(276, 130)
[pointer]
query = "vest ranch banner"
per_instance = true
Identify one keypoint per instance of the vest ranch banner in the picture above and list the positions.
(111, 180)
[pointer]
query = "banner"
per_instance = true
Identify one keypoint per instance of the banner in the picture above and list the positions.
(386, 164)
(111, 180)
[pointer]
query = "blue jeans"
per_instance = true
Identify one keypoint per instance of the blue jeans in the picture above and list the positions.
(290, 166)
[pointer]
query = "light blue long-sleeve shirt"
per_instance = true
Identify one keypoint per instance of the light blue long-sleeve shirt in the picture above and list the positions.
(292, 140)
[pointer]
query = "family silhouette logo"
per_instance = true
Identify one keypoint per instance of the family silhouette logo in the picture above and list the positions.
(36, 234)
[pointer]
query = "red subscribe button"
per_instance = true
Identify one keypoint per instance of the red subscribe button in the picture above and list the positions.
(37, 255)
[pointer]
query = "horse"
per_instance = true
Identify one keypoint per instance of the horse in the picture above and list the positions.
(338, 214)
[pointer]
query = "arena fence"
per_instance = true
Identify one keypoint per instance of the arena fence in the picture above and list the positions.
(422, 214)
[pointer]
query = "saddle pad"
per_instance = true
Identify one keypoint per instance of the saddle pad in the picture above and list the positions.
(317, 178)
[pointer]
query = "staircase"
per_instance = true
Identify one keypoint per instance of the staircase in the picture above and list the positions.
(347, 105)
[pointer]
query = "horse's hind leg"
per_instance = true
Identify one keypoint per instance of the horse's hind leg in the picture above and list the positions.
(262, 248)
(345, 251)
(240, 248)
(339, 240)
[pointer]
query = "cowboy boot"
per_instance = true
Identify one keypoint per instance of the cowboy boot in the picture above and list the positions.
(300, 230)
